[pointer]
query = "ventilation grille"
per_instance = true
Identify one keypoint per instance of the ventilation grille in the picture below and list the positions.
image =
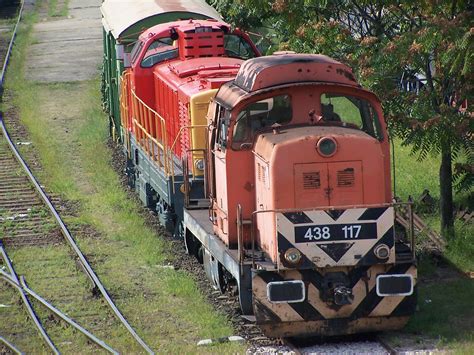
(345, 178)
(311, 180)
(261, 173)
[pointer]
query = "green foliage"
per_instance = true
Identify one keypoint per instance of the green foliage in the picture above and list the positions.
(391, 45)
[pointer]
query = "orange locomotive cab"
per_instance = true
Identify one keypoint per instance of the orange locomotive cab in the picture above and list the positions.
(299, 176)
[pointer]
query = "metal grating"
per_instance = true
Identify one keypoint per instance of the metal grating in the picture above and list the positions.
(346, 177)
(311, 180)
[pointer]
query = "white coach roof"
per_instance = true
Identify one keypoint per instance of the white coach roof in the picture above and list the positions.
(119, 15)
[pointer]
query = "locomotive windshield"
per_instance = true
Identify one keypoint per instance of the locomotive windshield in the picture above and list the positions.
(237, 46)
(258, 116)
(350, 111)
(160, 50)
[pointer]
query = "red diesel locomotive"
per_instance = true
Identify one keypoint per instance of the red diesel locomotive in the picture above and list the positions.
(276, 173)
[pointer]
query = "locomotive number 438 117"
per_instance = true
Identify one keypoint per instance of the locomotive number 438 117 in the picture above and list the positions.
(330, 232)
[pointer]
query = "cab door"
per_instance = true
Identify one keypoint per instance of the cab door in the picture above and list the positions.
(218, 156)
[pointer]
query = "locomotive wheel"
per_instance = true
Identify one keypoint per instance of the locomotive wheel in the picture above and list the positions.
(189, 243)
(192, 245)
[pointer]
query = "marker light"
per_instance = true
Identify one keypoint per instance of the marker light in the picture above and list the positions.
(199, 164)
(293, 256)
(382, 251)
(327, 147)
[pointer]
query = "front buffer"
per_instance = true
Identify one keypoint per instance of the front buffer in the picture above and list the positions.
(344, 280)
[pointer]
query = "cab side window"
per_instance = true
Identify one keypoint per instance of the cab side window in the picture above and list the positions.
(258, 116)
(160, 50)
(222, 120)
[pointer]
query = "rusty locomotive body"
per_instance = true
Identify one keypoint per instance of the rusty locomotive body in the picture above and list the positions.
(276, 173)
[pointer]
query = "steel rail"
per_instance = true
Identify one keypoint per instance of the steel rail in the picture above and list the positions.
(84, 263)
(10, 47)
(10, 346)
(26, 301)
(22, 286)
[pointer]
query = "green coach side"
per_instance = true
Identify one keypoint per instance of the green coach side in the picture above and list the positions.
(123, 21)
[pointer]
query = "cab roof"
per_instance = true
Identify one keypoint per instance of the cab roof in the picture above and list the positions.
(273, 70)
(283, 70)
(125, 18)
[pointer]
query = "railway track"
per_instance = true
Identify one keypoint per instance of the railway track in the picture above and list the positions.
(28, 219)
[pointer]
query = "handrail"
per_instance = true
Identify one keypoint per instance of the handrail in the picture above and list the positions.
(186, 127)
(124, 110)
(150, 131)
(142, 122)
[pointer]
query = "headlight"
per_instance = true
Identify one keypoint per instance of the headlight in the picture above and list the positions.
(326, 146)
(199, 164)
(293, 256)
(382, 251)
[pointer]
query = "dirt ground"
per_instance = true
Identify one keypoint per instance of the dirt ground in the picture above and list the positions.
(67, 49)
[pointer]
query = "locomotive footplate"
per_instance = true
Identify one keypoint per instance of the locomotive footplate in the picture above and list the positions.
(332, 302)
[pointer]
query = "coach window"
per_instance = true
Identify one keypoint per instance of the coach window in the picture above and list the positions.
(350, 111)
(237, 46)
(160, 50)
(260, 116)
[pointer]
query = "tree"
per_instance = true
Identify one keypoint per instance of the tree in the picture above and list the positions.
(426, 45)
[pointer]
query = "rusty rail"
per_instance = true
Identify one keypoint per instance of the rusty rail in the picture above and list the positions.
(13, 279)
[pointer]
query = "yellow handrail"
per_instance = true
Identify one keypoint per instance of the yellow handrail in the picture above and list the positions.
(186, 127)
(146, 120)
(124, 110)
(149, 128)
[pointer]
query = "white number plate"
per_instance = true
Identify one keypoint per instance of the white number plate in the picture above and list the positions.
(330, 232)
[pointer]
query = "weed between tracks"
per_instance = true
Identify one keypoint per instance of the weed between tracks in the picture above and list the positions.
(69, 134)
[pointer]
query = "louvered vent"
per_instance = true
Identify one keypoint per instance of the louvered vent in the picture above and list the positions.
(261, 172)
(345, 178)
(311, 180)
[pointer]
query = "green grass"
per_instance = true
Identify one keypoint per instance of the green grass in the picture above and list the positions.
(446, 311)
(55, 10)
(69, 132)
(412, 177)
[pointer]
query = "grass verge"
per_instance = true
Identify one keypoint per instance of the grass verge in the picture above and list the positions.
(412, 177)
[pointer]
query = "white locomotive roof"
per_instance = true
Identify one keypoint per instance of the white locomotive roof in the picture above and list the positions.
(119, 15)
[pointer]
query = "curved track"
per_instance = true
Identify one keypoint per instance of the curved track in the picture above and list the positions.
(29, 218)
